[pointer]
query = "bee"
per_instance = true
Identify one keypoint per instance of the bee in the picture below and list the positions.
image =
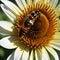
(29, 22)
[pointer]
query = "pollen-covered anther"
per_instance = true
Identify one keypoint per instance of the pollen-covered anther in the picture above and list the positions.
(44, 27)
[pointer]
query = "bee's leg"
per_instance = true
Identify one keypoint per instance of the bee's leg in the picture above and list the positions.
(21, 33)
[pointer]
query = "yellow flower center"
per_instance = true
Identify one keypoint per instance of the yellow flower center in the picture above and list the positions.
(40, 27)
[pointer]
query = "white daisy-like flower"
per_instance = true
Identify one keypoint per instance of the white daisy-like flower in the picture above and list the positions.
(33, 29)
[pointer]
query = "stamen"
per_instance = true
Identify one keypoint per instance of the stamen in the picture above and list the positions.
(40, 26)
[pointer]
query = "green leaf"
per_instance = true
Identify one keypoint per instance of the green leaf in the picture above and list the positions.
(1, 52)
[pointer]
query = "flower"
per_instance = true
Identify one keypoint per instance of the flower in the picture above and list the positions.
(33, 29)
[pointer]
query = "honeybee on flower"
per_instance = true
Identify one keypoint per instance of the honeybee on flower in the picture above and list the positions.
(33, 29)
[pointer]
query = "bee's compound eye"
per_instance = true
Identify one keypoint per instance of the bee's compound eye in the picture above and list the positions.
(27, 24)
(37, 12)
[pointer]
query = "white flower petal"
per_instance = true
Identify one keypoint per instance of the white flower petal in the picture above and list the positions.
(18, 54)
(53, 52)
(12, 6)
(45, 55)
(58, 25)
(6, 43)
(6, 25)
(11, 57)
(19, 3)
(29, 2)
(25, 55)
(31, 55)
(36, 1)
(46, 1)
(6, 29)
(55, 42)
(43, 1)
(4, 32)
(38, 54)
(55, 46)
(24, 3)
(8, 13)
(58, 10)
(54, 2)
(56, 36)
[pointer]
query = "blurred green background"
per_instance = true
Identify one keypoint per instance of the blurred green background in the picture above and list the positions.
(4, 53)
